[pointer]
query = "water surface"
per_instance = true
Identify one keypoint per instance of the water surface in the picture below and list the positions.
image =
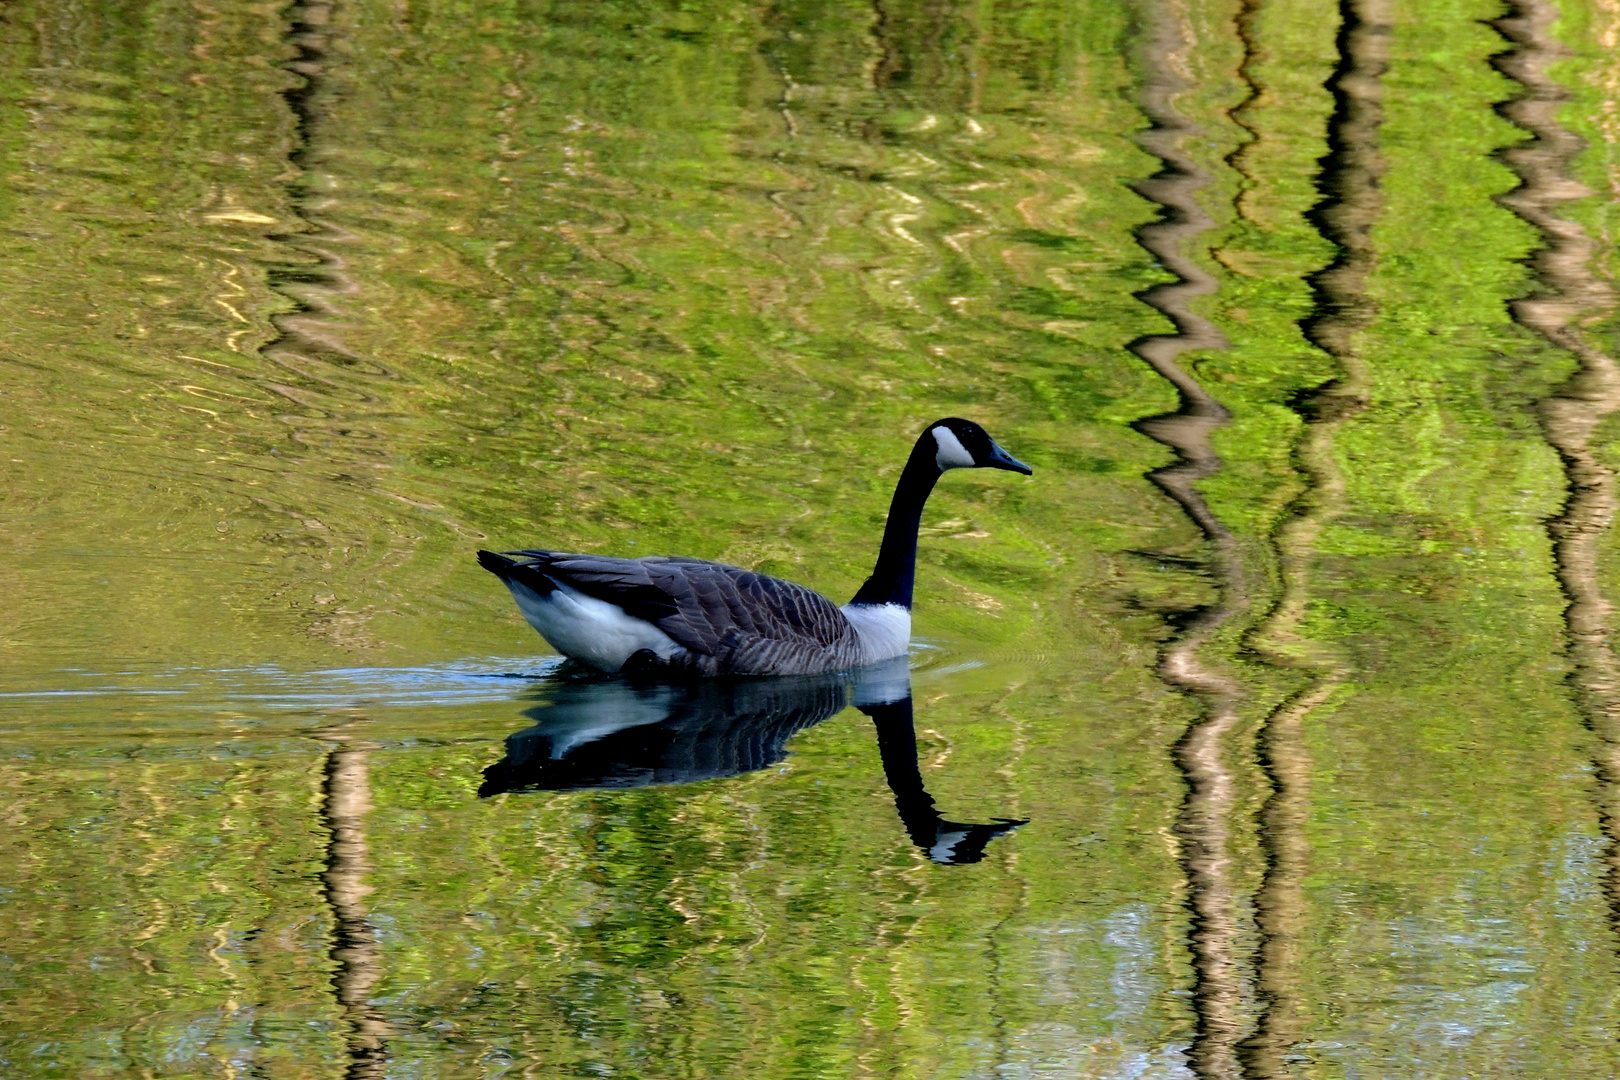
(1281, 696)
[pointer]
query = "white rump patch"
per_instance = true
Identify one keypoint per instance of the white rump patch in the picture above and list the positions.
(884, 629)
(951, 453)
(593, 631)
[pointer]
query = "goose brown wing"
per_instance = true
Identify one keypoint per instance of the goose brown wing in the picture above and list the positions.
(748, 623)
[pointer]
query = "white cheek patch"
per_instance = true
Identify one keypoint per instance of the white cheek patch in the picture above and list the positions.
(951, 454)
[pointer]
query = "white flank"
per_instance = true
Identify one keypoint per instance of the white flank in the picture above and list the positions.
(951, 453)
(884, 629)
(590, 630)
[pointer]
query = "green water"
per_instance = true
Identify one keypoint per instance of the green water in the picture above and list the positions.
(1294, 652)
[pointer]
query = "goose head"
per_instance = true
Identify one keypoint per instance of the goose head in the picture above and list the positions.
(962, 444)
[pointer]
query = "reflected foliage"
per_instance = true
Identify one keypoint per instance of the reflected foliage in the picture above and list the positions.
(304, 304)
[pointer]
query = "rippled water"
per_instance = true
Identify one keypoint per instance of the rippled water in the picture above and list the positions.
(1272, 728)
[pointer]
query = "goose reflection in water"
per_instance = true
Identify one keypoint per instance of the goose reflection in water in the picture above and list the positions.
(606, 733)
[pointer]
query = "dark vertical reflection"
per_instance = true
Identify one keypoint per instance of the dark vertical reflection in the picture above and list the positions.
(307, 335)
(346, 800)
(1204, 826)
(1570, 295)
(1351, 200)
(923, 53)
(1351, 203)
(1244, 26)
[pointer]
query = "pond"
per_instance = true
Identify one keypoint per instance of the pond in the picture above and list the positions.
(1271, 728)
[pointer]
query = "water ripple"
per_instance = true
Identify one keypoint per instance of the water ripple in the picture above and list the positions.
(1571, 296)
(1204, 829)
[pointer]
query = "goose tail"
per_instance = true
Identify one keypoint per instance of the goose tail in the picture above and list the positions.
(525, 571)
(496, 563)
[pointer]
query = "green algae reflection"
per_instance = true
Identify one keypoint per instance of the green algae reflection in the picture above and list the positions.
(303, 304)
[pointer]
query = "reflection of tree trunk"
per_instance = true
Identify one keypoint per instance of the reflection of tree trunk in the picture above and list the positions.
(1204, 826)
(355, 950)
(308, 336)
(915, 42)
(316, 377)
(1351, 204)
(1352, 200)
(1570, 294)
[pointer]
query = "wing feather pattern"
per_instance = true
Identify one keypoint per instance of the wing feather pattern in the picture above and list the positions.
(730, 620)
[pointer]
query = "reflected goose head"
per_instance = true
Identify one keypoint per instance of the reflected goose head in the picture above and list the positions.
(959, 843)
(962, 444)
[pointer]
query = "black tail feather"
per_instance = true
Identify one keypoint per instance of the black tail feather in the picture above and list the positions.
(509, 569)
(497, 564)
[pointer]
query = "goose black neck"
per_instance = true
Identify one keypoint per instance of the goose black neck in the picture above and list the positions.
(896, 570)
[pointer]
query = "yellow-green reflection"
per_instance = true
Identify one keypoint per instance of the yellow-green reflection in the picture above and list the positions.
(304, 304)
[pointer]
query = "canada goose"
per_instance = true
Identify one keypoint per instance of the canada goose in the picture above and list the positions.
(682, 617)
